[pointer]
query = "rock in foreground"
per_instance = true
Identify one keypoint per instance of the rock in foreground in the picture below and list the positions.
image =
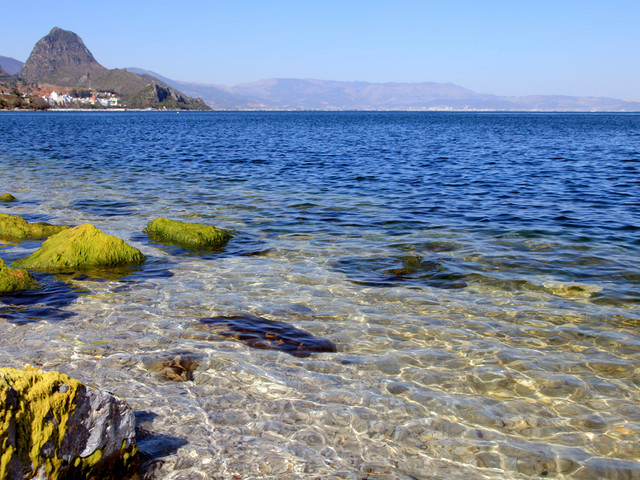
(12, 280)
(15, 227)
(54, 427)
(81, 247)
(187, 234)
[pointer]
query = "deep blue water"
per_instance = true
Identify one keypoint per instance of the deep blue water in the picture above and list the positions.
(509, 236)
(568, 178)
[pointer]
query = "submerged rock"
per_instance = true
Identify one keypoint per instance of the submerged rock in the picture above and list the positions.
(415, 265)
(12, 279)
(177, 367)
(15, 227)
(54, 427)
(187, 234)
(259, 332)
(393, 271)
(81, 247)
(7, 197)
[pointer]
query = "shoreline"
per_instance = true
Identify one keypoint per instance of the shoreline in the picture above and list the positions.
(609, 112)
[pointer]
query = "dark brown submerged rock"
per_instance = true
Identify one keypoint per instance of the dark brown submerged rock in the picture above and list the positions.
(259, 332)
(177, 367)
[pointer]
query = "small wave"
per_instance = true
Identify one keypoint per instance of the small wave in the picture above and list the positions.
(105, 208)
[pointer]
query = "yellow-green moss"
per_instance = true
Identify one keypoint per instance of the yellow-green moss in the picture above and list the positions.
(122, 464)
(90, 461)
(40, 407)
(12, 280)
(7, 197)
(187, 234)
(81, 247)
(35, 412)
(14, 227)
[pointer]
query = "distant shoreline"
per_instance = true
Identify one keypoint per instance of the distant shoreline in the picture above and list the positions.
(103, 110)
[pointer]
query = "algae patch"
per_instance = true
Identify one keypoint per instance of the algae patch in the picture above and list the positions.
(34, 410)
(81, 247)
(14, 227)
(54, 427)
(12, 280)
(187, 234)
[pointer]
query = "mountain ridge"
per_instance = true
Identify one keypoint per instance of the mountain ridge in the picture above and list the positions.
(313, 94)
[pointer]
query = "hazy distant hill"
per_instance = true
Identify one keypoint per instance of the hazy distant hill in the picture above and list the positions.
(310, 94)
(321, 94)
(10, 65)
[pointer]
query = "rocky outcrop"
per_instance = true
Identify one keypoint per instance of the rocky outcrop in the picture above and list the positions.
(187, 234)
(78, 248)
(154, 95)
(54, 427)
(14, 227)
(7, 197)
(12, 280)
(61, 58)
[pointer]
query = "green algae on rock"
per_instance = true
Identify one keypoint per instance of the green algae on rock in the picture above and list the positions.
(187, 234)
(7, 197)
(12, 280)
(54, 427)
(81, 247)
(15, 227)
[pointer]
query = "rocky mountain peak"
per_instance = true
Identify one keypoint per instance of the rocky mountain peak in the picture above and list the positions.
(61, 58)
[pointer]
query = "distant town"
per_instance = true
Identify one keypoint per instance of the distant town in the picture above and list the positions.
(65, 98)
(81, 98)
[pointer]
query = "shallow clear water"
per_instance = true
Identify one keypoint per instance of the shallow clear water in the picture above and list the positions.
(478, 274)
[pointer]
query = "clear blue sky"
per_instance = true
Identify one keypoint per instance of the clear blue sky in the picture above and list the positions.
(504, 47)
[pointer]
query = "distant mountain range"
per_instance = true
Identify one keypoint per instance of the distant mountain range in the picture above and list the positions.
(309, 94)
(61, 58)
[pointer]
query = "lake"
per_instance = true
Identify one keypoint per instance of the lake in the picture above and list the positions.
(477, 273)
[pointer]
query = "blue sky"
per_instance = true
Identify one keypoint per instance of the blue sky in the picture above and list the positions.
(515, 47)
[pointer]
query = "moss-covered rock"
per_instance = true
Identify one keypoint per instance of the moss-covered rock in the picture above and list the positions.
(79, 248)
(14, 227)
(187, 234)
(7, 197)
(53, 427)
(12, 280)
